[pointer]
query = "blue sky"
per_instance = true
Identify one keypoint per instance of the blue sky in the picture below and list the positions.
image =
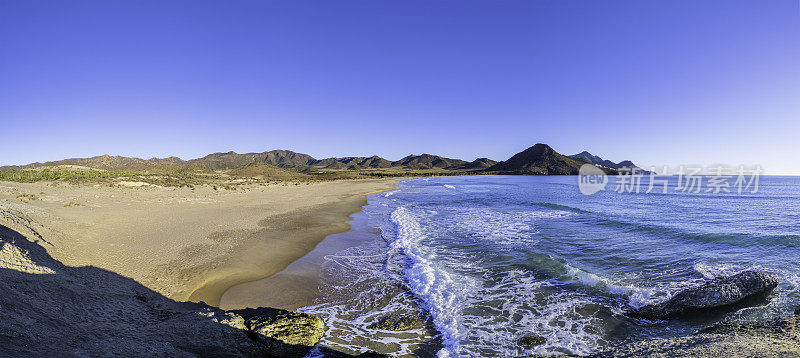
(658, 82)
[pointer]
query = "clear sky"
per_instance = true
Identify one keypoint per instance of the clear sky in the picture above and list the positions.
(658, 82)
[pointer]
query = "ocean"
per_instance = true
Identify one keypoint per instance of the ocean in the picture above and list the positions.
(483, 261)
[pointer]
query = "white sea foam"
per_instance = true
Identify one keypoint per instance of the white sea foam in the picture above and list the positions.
(507, 228)
(517, 305)
(637, 296)
(479, 310)
(716, 270)
(488, 269)
(358, 291)
(441, 291)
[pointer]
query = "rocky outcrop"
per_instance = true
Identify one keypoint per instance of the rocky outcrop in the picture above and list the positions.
(776, 338)
(49, 309)
(719, 292)
(284, 333)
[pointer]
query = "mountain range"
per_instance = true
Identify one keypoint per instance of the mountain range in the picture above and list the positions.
(539, 159)
(626, 165)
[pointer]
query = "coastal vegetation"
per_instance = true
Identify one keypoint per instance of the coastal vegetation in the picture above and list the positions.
(58, 174)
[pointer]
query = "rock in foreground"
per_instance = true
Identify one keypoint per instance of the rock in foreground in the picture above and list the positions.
(719, 292)
(284, 333)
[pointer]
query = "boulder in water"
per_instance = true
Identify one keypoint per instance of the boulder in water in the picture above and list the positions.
(397, 322)
(531, 341)
(722, 291)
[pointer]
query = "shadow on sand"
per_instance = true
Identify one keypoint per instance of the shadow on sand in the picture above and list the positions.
(49, 309)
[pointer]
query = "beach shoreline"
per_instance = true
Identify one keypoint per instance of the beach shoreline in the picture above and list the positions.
(189, 245)
(221, 247)
(304, 231)
(299, 284)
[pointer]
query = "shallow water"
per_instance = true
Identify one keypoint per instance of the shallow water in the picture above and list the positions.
(486, 260)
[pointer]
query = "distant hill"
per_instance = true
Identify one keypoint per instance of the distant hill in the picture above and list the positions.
(478, 164)
(589, 157)
(108, 162)
(232, 160)
(9, 167)
(428, 161)
(538, 160)
(352, 163)
(286, 159)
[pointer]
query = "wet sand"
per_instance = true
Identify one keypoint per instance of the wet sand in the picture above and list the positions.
(298, 284)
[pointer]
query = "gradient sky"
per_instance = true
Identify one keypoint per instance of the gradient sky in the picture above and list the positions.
(658, 82)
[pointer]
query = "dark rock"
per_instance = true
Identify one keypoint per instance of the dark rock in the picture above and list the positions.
(719, 292)
(397, 322)
(774, 338)
(531, 341)
(797, 311)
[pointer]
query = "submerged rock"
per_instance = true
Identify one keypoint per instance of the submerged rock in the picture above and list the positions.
(715, 293)
(397, 322)
(531, 341)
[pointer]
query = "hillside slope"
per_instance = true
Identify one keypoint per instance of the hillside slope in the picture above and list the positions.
(539, 159)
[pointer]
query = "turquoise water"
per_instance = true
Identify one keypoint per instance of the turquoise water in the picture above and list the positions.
(486, 260)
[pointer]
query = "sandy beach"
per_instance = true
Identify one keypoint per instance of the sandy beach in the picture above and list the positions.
(185, 244)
